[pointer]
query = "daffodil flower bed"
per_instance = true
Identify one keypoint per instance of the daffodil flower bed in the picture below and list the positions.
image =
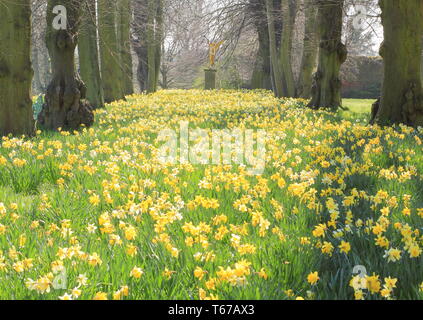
(94, 215)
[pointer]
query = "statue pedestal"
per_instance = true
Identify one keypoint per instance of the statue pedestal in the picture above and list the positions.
(210, 79)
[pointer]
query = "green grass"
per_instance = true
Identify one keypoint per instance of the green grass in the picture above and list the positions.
(357, 109)
(358, 105)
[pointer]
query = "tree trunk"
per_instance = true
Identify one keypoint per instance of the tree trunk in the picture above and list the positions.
(151, 48)
(261, 77)
(89, 56)
(402, 96)
(310, 51)
(64, 107)
(274, 58)
(16, 115)
(158, 40)
(288, 8)
(326, 87)
(38, 48)
(124, 28)
(421, 64)
(164, 73)
(140, 44)
(111, 70)
(148, 45)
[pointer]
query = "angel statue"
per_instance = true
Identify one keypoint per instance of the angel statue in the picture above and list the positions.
(213, 48)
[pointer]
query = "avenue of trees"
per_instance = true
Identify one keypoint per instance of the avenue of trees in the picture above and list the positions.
(108, 49)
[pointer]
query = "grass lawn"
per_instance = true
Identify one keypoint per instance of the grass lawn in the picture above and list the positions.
(358, 105)
(99, 209)
(357, 108)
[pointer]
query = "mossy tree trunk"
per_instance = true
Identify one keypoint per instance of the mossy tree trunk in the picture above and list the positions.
(281, 16)
(421, 64)
(326, 86)
(288, 8)
(111, 69)
(89, 56)
(140, 43)
(64, 106)
(124, 28)
(402, 96)
(278, 82)
(261, 77)
(310, 51)
(16, 115)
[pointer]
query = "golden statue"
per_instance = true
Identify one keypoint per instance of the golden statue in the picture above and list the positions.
(213, 48)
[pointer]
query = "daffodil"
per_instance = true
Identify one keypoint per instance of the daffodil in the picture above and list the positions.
(313, 278)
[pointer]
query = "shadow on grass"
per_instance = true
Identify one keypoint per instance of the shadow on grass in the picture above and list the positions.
(26, 180)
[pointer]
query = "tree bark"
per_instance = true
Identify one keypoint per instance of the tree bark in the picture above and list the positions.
(151, 48)
(274, 57)
(288, 8)
(326, 87)
(402, 96)
(310, 51)
(64, 106)
(148, 45)
(158, 40)
(39, 51)
(111, 69)
(421, 64)
(16, 116)
(261, 77)
(140, 44)
(124, 27)
(89, 56)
